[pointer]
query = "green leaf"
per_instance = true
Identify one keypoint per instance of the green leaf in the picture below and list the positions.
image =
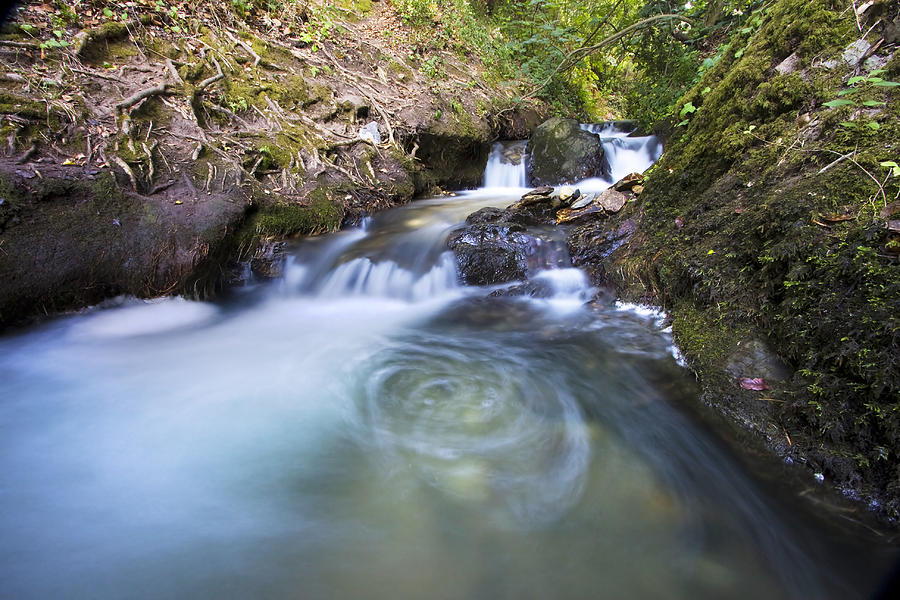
(682, 124)
(873, 103)
(848, 124)
(108, 13)
(705, 91)
(837, 103)
(886, 84)
(878, 72)
(873, 125)
(746, 30)
(874, 79)
(855, 80)
(688, 108)
(848, 91)
(895, 169)
(710, 252)
(739, 53)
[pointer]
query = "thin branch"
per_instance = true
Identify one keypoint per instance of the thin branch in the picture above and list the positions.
(573, 57)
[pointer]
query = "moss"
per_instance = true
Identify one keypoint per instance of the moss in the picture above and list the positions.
(321, 214)
(94, 45)
(11, 104)
(754, 248)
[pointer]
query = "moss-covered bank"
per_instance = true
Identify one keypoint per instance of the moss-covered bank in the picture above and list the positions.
(764, 223)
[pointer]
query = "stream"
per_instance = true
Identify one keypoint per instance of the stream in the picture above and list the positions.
(367, 427)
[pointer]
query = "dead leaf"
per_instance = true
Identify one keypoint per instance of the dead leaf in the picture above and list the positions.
(757, 384)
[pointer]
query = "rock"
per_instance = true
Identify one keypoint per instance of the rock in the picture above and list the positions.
(541, 195)
(788, 65)
(561, 151)
(611, 200)
(568, 194)
(369, 133)
(637, 190)
(487, 254)
(583, 201)
(754, 360)
(567, 215)
(628, 182)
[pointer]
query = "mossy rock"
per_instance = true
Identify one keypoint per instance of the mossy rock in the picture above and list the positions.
(561, 152)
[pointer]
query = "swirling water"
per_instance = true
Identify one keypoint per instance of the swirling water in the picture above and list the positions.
(366, 427)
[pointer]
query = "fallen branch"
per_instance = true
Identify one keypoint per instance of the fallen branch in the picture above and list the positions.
(158, 90)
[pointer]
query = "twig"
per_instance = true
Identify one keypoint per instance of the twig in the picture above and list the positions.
(12, 44)
(94, 74)
(831, 164)
(863, 169)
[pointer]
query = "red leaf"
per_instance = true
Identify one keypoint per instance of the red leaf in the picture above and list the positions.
(757, 384)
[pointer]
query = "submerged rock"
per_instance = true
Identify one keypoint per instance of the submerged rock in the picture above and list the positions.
(562, 152)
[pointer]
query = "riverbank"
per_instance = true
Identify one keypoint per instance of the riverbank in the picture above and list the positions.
(147, 151)
(768, 231)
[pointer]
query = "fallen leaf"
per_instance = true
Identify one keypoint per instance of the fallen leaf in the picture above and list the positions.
(757, 384)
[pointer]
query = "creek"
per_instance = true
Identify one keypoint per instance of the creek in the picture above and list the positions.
(367, 427)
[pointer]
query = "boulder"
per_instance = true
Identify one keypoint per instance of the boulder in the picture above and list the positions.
(562, 152)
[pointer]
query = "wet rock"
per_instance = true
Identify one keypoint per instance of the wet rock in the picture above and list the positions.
(568, 194)
(753, 359)
(532, 289)
(487, 254)
(561, 152)
(628, 182)
(610, 201)
(583, 201)
(591, 244)
(268, 261)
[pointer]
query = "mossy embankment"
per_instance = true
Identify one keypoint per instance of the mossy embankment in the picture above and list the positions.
(147, 150)
(766, 224)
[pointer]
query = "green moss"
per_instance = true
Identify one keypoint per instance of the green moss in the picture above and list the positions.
(321, 214)
(754, 249)
(11, 104)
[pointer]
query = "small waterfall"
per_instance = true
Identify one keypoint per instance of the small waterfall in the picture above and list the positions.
(624, 153)
(506, 166)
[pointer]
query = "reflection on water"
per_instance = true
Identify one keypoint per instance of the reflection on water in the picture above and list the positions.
(335, 435)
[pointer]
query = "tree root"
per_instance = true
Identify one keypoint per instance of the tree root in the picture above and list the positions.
(157, 90)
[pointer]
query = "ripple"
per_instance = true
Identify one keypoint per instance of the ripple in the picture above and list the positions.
(477, 424)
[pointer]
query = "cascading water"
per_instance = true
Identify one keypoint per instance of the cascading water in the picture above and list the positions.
(367, 427)
(506, 166)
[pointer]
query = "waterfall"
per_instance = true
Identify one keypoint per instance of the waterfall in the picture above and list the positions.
(506, 166)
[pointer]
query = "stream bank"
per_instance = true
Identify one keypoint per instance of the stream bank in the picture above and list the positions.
(143, 161)
(768, 230)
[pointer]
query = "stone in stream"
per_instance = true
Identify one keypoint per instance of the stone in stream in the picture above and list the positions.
(562, 152)
(610, 201)
(628, 182)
